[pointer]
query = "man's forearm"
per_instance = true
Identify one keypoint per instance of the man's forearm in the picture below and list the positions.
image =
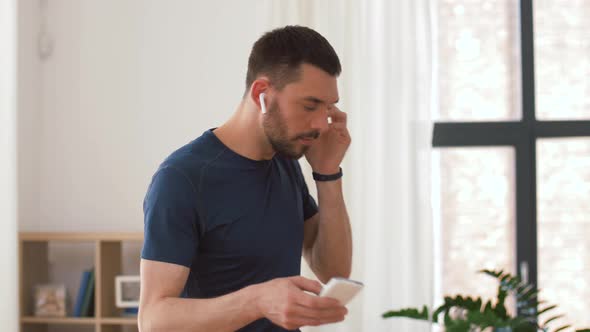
(226, 313)
(332, 249)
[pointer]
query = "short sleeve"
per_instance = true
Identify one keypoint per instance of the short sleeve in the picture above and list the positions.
(171, 232)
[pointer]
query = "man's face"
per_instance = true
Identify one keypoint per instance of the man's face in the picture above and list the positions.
(298, 114)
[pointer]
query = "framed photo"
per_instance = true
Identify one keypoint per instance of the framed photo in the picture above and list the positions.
(50, 300)
(127, 291)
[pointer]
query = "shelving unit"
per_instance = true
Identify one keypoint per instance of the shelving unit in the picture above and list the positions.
(107, 261)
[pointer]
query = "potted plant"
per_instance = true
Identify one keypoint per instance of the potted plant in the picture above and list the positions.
(467, 314)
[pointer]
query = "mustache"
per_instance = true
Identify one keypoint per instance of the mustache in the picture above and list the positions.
(314, 134)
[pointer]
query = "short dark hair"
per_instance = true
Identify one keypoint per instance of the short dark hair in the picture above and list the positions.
(279, 53)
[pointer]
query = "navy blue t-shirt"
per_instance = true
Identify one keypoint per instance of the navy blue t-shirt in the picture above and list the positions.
(233, 221)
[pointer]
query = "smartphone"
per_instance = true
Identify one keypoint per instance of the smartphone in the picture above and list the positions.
(341, 289)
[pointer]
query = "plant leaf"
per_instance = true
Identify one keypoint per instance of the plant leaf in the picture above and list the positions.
(552, 319)
(551, 307)
(412, 313)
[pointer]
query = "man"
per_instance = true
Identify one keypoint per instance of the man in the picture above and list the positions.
(228, 216)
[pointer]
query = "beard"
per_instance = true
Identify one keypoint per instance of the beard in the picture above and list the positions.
(275, 128)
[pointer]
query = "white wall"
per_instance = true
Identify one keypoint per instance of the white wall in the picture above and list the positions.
(126, 84)
(8, 264)
(29, 114)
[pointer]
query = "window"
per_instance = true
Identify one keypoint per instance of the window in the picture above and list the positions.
(476, 222)
(512, 147)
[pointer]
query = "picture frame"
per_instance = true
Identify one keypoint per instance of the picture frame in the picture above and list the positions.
(50, 300)
(127, 291)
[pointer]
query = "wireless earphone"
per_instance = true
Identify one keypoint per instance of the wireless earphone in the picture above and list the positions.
(262, 103)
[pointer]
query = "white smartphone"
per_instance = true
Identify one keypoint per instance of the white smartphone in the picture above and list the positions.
(341, 289)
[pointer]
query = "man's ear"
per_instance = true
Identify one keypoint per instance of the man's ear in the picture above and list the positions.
(259, 91)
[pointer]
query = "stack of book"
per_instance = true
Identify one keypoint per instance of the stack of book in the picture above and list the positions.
(84, 306)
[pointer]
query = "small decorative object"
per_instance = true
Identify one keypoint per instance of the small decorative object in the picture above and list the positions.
(466, 314)
(50, 300)
(127, 291)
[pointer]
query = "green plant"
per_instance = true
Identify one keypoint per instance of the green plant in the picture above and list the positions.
(464, 314)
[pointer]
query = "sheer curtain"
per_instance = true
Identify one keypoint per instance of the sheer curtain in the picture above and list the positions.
(8, 246)
(385, 47)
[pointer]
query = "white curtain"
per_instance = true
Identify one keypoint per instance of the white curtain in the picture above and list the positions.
(386, 50)
(8, 233)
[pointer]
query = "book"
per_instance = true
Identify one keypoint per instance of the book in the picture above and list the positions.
(91, 305)
(88, 295)
(130, 312)
(81, 292)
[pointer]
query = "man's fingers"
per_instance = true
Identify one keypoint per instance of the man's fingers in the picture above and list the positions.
(307, 284)
(337, 125)
(305, 309)
(297, 322)
(333, 313)
(337, 115)
(317, 302)
(303, 316)
(341, 130)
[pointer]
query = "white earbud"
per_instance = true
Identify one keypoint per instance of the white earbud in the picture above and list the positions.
(262, 103)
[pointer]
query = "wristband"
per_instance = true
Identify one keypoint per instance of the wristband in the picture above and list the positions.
(324, 177)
